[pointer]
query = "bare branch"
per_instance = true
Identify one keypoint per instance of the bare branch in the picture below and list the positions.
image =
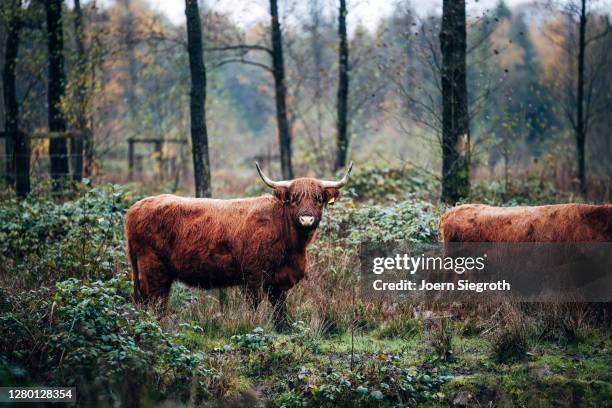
(240, 47)
(244, 61)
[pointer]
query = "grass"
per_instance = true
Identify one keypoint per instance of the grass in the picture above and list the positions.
(548, 373)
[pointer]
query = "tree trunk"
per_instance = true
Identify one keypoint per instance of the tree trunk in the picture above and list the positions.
(580, 118)
(343, 89)
(455, 120)
(199, 136)
(316, 46)
(11, 121)
(278, 68)
(55, 42)
(81, 99)
(130, 43)
(18, 152)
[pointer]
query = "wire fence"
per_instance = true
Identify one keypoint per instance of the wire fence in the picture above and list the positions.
(150, 171)
(40, 165)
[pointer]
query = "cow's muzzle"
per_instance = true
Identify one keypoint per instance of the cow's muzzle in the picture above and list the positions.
(306, 220)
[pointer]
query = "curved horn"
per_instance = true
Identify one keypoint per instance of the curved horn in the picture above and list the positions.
(342, 182)
(268, 181)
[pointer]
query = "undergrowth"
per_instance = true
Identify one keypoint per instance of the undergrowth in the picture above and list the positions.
(66, 318)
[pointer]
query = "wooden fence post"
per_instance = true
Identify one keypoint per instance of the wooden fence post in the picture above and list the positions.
(130, 159)
(158, 153)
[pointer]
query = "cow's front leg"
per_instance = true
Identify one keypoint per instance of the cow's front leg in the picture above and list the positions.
(277, 287)
(278, 299)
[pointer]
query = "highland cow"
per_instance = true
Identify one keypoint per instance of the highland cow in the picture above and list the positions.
(256, 243)
(548, 223)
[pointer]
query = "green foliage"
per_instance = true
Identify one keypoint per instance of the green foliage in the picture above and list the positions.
(254, 341)
(384, 381)
(412, 220)
(256, 189)
(291, 399)
(267, 357)
(389, 183)
(310, 380)
(41, 241)
(533, 191)
(273, 361)
(303, 339)
(90, 335)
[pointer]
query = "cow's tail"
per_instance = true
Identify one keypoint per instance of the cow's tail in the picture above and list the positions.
(137, 295)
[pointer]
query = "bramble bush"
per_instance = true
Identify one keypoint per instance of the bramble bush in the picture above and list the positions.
(45, 242)
(90, 335)
(532, 191)
(411, 220)
(385, 380)
(378, 184)
(375, 184)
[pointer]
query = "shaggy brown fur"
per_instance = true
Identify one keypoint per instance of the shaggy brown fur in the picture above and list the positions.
(257, 243)
(549, 223)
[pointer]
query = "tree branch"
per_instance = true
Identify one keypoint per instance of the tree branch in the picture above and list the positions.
(240, 47)
(244, 61)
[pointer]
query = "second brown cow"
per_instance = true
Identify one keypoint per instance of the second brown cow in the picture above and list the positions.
(257, 243)
(548, 223)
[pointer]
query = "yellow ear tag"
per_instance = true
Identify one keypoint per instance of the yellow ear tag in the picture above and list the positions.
(331, 201)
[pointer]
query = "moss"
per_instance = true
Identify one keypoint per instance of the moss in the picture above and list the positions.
(516, 387)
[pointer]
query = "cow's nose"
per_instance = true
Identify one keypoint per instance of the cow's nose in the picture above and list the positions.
(306, 220)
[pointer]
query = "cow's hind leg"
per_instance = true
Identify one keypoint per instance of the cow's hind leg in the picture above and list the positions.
(154, 280)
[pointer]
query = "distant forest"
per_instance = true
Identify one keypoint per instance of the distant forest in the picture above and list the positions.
(126, 74)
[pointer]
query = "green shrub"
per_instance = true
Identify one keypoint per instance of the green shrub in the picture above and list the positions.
(45, 242)
(266, 357)
(257, 340)
(532, 191)
(412, 220)
(382, 381)
(290, 399)
(303, 340)
(274, 361)
(90, 335)
(389, 183)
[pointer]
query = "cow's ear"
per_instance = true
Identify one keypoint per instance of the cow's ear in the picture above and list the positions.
(282, 193)
(331, 194)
